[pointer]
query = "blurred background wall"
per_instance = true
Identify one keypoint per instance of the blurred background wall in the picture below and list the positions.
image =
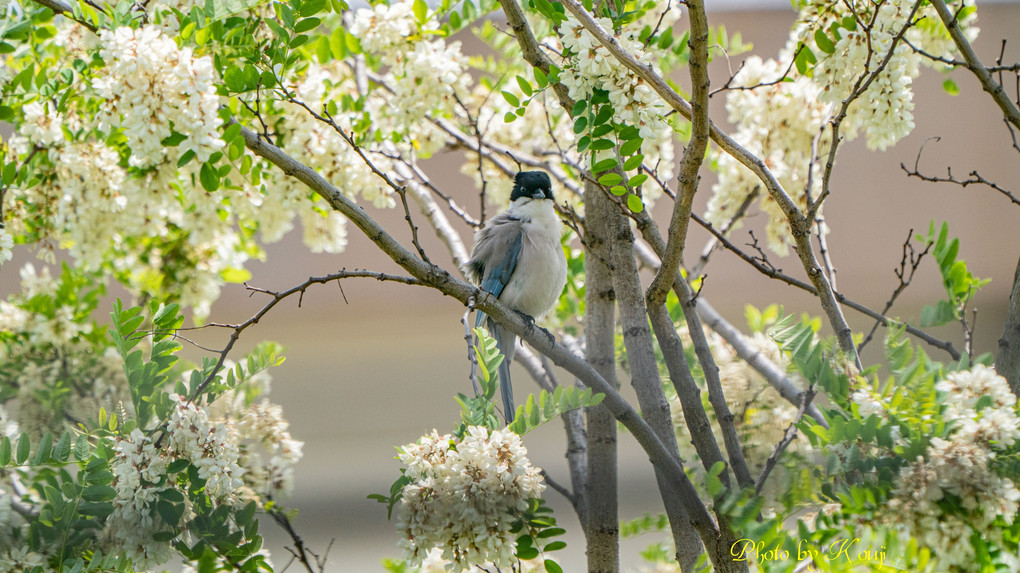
(380, 370)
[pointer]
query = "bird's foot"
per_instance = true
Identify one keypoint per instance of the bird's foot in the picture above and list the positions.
(528, 319)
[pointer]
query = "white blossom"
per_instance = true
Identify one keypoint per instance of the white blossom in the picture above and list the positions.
(6, 246)
(42, 126)
(960, 465)
(150, 84)
(208, 446)
(464, 496)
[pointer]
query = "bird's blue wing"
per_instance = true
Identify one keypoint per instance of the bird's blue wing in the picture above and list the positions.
(501, 269)
(494, 259)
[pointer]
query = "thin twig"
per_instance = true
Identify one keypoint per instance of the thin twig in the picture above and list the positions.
(974, 179)
(789, 436)
(277, 298)
(777, 274)
(904, 275)
(469, 339)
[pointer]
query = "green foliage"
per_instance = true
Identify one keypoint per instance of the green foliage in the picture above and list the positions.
(480, 410)
(813, 359)
(396, 492)
(960, 284)
(537, 411)
(537, 535)
(147, 379)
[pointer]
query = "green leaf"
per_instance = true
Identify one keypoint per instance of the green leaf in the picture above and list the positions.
(634, 203)
(511, 99)
(98, 493)
(605, 114)
(209, 177)
(555, 546)
(602, 144)
(633, 162)
(338, 43)
(604, 165)
(580, 124)
(540, 78)
(610, 179)
(10, 171)
(81, 448)
(236, 276)
(552, 567)
(638, 179)
(312, 7)
(579, 107)
(42, 455)
(525, 86)
(306, 25)
(421, 10)
(510, 117)
(5, 451)
(950, 86)
(631, 147)
(823, 42)
(233, 77)
(63, 450)
(618, 190)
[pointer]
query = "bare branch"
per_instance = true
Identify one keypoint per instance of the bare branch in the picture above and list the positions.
(777, 274)
(905, 275)
(975, 178)
(277, 298)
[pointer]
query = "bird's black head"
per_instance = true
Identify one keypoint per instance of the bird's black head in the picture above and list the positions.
(533, 184)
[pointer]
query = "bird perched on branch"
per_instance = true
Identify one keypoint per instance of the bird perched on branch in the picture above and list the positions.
(518, 259)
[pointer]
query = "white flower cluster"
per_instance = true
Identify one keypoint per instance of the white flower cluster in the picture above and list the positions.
(592, 66)
(885, 111)
(384, 27)
(208, 446)
(41, 125)
(139, 471)
(465, 496)
(959, 466)
(268, 453)
(426, 76)
(6, 246)
(153, 88)
(435, 563)
(778, 124)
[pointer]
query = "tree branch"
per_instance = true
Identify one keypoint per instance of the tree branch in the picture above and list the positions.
(1009, 110)
(799, 225)
(439, 279)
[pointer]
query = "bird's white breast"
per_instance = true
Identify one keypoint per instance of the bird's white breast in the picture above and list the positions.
(541, 269)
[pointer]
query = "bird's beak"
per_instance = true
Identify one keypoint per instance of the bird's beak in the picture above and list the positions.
(538, 194)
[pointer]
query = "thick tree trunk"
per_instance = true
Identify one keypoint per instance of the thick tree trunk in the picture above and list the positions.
(637, 338)
(603, 531)
(1007, 361)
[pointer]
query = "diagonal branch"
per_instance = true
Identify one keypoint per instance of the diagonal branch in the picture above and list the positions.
(439, 279)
